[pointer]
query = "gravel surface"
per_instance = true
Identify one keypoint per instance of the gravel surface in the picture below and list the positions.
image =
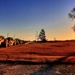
(47, 69)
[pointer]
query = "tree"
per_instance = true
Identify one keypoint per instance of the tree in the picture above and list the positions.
(72, 16)
(42, 36)
(73, 28)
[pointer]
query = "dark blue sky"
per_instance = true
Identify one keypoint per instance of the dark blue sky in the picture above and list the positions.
(23, 18)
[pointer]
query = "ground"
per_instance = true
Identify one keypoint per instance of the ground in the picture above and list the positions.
(55, 58)
(59, 51)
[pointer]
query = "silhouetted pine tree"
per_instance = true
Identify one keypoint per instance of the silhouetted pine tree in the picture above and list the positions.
(42, 36)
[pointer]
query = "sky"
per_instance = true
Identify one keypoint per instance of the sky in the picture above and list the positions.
(23, 18)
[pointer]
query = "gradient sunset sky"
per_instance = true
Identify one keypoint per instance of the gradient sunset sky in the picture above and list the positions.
(23, 18)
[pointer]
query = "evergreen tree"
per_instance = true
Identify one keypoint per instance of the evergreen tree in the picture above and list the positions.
(42, 36)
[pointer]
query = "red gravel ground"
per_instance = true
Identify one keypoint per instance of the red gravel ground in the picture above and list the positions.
(62, 51)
